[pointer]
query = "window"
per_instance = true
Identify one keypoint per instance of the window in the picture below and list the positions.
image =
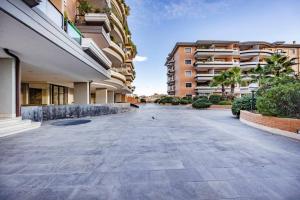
(188, 73)
(188, 62)
(188, 85)
(189, 95)
(293, 51)
(188, 50)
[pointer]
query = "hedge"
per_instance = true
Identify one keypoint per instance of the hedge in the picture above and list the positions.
(243, 103)
(201, 103)
(215, 99)
(280, 101)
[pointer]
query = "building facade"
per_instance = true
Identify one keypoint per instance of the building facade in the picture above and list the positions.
(55, 52)
(191, 66)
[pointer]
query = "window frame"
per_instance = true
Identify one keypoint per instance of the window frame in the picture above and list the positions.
(185, 49)
(187, 60)
(188, 71)
(188, 83)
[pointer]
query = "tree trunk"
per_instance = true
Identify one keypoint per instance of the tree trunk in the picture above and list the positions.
(232, 86)
(223, 90)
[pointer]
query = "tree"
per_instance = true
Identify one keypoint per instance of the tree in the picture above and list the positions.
(279, 65)
(220, 80)
(233, 78)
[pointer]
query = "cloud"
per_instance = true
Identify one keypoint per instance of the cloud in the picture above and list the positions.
(140, 58)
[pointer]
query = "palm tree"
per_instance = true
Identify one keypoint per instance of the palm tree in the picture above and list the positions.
(234, 77)
(279, 65)
(220, 80)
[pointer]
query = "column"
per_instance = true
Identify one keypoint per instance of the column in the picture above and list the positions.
(7, 88)
(101, 95)
(81, 93)
(118, 98)
(110, 97)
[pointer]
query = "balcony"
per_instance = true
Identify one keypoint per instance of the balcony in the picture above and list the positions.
(96, 26)
(115, 53)
(208, 89)
(215, 64)
(244, 90)
(204, 77)
(73, 32)
(215, 52)
(91, 48)
(255, 52)
(249, 65)
(51, 12)
(171, 82)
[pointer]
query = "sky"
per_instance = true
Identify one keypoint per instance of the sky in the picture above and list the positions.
(156, 25)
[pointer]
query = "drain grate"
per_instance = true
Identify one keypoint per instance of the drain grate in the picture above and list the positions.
(71, 122)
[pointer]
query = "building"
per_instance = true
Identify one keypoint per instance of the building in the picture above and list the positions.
(55, 52)
(191, 66)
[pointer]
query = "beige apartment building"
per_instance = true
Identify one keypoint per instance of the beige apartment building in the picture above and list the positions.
(55, 52)
(191, 66)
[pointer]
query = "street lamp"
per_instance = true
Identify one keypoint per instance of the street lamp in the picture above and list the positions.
(253, 87)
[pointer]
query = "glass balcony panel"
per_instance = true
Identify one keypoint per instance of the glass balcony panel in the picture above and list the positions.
(51, 11)
(73, 32)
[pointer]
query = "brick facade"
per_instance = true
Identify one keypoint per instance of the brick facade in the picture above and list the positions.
(286, 124)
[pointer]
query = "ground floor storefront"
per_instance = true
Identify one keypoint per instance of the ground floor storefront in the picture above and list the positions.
(182, 153)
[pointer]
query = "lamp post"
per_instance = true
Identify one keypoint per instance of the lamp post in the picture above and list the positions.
(253, 87)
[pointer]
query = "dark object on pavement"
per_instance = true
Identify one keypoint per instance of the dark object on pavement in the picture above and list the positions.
(71, 122)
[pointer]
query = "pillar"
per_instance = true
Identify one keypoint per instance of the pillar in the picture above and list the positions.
(110, 97)
(118, 98)
(101, 95)
(7, 88)
(81, 93)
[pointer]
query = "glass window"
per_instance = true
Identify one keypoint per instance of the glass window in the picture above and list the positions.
(188, 50)
(35, 96)
(189, 95)
(188, 73)
(188, 85)
(188, 62)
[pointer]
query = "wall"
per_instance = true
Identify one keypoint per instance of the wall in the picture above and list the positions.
(52, 112)
(286, 124)
(180, 68)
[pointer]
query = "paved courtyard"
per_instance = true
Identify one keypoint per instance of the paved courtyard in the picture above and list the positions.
(181, 154)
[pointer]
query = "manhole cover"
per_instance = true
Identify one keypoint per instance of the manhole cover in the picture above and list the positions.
(71, 122)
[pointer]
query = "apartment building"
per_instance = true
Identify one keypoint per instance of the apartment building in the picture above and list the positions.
(191, 66)
(55, 52)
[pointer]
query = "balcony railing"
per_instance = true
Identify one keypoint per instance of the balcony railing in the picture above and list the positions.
(218, 64)
(214, 51)
(251, 64)
(256, 52)
(204, 77)
(73, 32)
(51, 12)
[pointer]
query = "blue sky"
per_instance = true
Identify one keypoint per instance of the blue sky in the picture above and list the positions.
(156, 25)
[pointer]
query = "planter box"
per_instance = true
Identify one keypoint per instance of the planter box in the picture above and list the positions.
(220, 107)
(284, 124)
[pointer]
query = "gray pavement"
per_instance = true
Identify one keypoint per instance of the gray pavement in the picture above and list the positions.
(181, 154)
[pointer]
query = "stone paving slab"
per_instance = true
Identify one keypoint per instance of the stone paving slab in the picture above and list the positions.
(182, 154)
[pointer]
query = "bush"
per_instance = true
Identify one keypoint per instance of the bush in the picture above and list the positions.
(243, 103)
(156, 100)
(215, 99)
(166, 100)
(143, 100)
(225, 103)
(281, 101)
(200, 97)
(175, 101)
(201, 103)
(184, 101)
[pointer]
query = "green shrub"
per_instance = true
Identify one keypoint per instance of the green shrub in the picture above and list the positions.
(243, 103)
(143, 100)
(225, 103)
(166, 100)
(175, 101)
(156, 100)
(184, 101)
(215, 99)
(200, 97)
(201, 103)
(281, 101)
